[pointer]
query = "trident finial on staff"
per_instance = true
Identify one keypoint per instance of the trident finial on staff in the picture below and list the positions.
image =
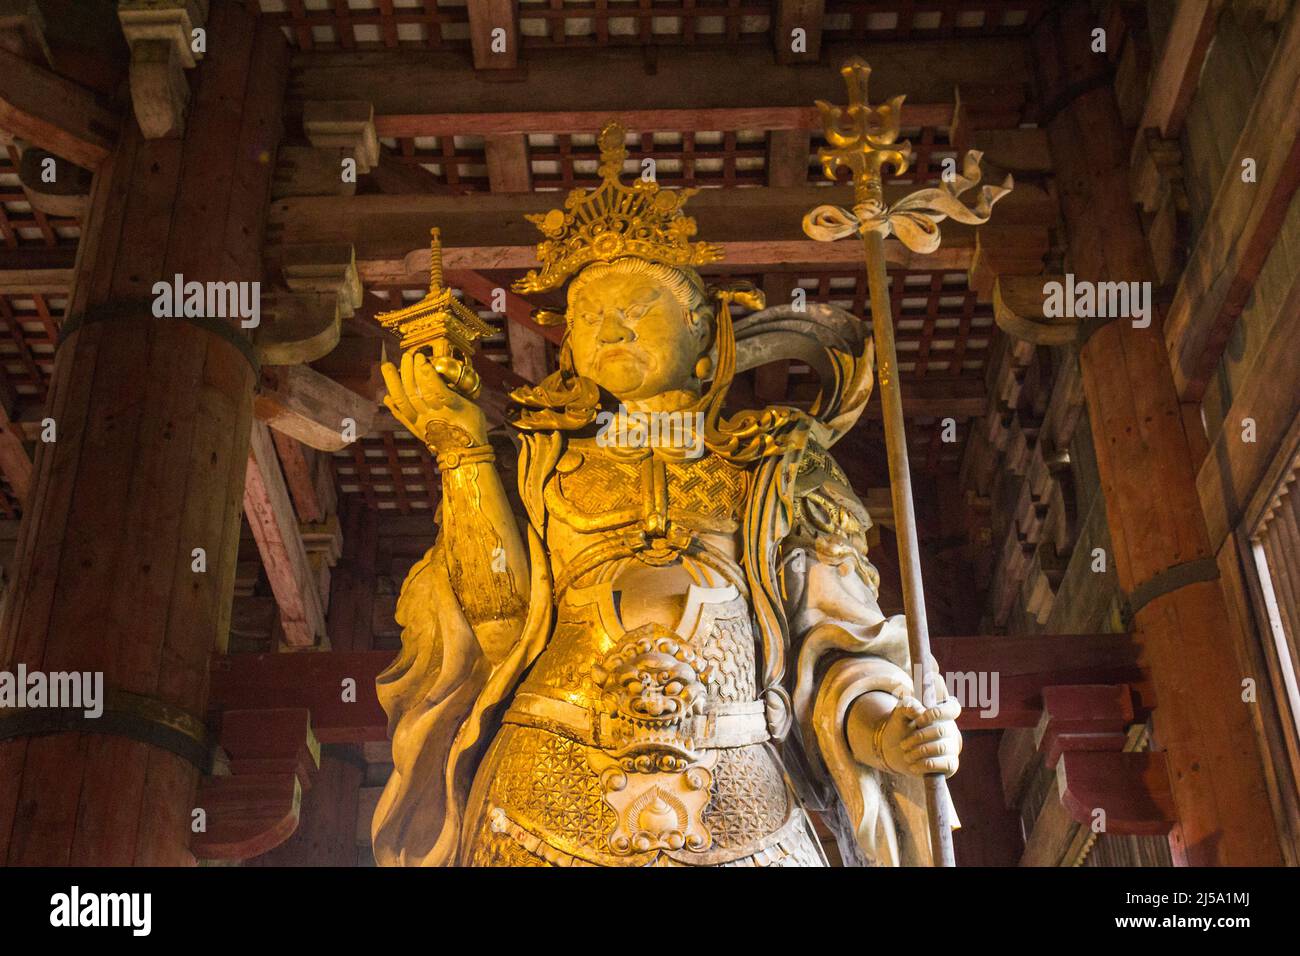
(864, 145)
(868, 145)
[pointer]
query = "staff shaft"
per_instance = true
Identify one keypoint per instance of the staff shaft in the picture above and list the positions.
(909, 555)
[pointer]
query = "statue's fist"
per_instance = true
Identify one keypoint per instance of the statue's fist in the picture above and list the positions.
(917, 740)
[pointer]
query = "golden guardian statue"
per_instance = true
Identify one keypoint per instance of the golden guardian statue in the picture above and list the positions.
(680, 654)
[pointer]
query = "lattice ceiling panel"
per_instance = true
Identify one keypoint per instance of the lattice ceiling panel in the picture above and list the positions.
(370, 24)
(459, 162)
(392, 472)
(549, 24)
(690, 158)
(552, 23)
(22, 226)
(928, 19)
(29, 332)
(940, 327)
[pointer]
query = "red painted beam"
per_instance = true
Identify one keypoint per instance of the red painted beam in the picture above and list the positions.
(341, 712)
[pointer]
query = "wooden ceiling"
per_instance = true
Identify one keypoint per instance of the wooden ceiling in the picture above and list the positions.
(474, 150)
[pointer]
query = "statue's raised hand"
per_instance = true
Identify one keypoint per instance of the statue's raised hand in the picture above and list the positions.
(431, 400)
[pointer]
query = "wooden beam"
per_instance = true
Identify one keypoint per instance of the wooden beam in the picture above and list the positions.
(270, 740)
(275, 528)
(643, 120)
(22, 30)
(32, 265)
(1025, 665)
(1242, 224)
(313, 681)
(42, 107)
(334, 123)
(934, 397)
(298, 476)
(34, 281)
(388, 228)
(957, 255)
(405, 82)
(67, 195)
(15, 463)
(1176, 74)
(305, 404)
(494, 34)
(1083, 717)
(788, 155)
(797, 30)
(298, 326)
(507, 163)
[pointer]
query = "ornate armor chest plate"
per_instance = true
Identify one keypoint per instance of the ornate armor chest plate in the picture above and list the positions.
(642, 745)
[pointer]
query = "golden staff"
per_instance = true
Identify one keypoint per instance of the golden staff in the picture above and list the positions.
(863, 139)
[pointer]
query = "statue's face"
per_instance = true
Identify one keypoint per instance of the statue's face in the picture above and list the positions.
(631, 336)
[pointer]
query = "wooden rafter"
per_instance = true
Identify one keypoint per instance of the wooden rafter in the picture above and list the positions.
(56, 114)
(270, 513)
(1175, 77)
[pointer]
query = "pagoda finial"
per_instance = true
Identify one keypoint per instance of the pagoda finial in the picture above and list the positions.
(441, 322)
(435, 260)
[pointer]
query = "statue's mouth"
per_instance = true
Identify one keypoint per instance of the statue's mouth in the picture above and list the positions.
(616, 353)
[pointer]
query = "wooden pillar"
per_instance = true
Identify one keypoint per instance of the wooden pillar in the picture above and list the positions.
(152, 418)
(1162, 556)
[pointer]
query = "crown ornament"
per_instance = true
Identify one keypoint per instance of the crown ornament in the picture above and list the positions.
(615, 220)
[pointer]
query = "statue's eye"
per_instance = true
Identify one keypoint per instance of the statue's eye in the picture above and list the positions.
(635, 312)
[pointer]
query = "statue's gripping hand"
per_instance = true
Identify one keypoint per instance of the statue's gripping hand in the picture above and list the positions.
(903, 736)
(429, 399)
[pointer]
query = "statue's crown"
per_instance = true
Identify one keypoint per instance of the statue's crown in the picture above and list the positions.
(615, 220)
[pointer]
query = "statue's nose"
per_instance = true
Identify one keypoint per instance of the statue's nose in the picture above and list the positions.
(612, 328)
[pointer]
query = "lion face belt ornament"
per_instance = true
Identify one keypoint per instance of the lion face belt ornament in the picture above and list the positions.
(654, 688)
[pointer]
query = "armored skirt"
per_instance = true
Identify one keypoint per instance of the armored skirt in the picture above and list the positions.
(645, 747)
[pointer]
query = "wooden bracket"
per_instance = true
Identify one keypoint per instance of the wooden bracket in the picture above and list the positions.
(161, 33)
(53, 185)
(1083, 717)
(298, 327)
(1132, 789)
(345, 124)
(324, 268)
(254, 806)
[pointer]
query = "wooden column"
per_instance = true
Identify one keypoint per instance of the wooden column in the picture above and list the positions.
(153, 418)
(1162, 556)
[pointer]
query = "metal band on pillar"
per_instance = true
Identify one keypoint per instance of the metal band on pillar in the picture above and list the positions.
(147, 720)
(1171, 579)
(143, 308)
